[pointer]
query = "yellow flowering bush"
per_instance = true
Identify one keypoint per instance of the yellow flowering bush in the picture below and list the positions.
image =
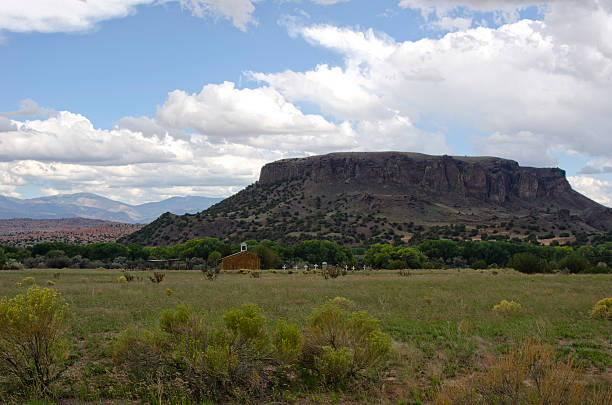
(32, 346)
(507, 307)
(344, 347)
(603, 309)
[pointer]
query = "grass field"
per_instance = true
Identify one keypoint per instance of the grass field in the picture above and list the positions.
(442, 322)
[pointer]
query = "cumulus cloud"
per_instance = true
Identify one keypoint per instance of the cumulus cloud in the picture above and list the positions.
(69, 137)
(523, 83)
(596, 189)
(77, 15)
(66, 154)
(259, 117)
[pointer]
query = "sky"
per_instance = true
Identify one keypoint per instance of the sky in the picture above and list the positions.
(141, 100)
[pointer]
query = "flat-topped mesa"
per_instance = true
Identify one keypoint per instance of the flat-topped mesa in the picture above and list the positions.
(485, 178)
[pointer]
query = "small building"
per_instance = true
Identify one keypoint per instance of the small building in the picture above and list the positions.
(241, 260)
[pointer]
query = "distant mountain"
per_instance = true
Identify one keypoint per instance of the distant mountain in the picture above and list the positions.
(361, 198)
(85, 205)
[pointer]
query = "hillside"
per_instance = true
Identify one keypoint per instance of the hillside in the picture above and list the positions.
(354, 198)
(85, 205)
(28, 232)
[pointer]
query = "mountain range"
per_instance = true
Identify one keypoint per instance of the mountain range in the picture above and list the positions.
(367, 197)
(86, 205)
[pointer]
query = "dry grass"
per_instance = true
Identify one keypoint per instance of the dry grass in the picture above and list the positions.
(530, 374)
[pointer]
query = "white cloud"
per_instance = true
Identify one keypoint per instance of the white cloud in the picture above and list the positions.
(596, 189)
(77, 15)
(239, 11)
(71, 137)
(61, 15)
(525, 147)
(258, 117)
(398, 133)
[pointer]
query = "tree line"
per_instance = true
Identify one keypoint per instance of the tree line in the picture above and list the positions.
(203, 252)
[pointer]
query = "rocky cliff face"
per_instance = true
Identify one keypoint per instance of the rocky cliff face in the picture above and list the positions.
(357, 198)
(484, 178)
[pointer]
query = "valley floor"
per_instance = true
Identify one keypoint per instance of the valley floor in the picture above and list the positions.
(441, 321)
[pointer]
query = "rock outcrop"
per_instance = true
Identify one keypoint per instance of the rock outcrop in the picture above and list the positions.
(488, 179)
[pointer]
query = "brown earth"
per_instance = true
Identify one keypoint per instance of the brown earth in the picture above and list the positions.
(28, 232)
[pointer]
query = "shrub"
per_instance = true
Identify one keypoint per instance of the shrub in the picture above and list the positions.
(210, 274)
(157, 277)
(507, 307)
(50, 282)
(12, 264)
(575, 263)
(184, 360)
(479, 265)
(169, 291)
(195, 362)
(287, 342)
(247, 326)
(530, 374)
(32, 349)
(597, 270)
(343, 346)
(603, 309)
(57, 262)
(528, 263)
(122, 280)
(28, 281)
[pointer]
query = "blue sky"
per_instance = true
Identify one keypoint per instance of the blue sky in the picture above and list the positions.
(142, 99)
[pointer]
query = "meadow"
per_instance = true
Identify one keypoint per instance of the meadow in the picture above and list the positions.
(441, 321)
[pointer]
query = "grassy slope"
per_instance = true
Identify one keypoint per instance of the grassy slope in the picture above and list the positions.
(441, 320)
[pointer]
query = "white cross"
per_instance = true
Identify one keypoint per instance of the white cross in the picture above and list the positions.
(295, 267)
(353, 268)
(346, 267)
(364, 267)
(284, 267)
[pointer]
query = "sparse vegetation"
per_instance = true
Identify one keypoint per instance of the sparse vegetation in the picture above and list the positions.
(440, 322)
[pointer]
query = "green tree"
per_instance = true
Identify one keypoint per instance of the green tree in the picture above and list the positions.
(575, 263)
(214, 258)
(528, 263)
